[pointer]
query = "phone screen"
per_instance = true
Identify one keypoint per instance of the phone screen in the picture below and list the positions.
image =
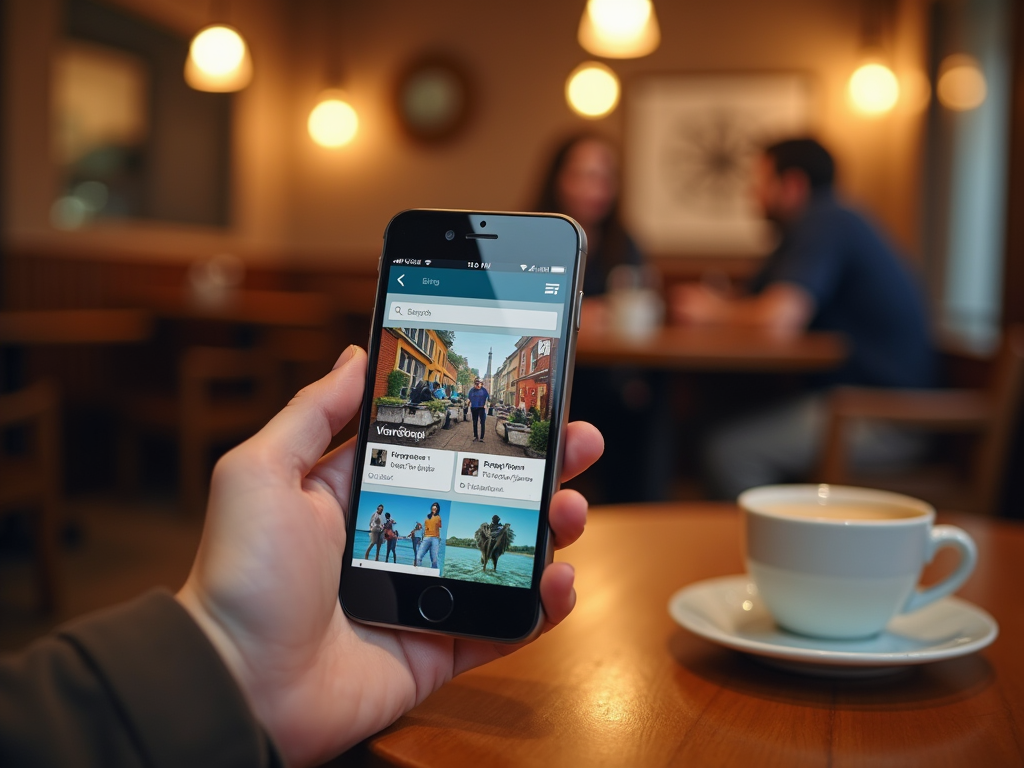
(468, 371)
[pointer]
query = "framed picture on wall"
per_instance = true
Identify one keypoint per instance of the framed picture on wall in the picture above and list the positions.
(690, 142)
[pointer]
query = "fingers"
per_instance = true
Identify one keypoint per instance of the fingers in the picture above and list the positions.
(557, 593)
(335, 469)
(567, 516)
(295, 438)
(584, 445)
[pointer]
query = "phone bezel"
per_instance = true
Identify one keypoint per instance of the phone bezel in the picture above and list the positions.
(389, 599)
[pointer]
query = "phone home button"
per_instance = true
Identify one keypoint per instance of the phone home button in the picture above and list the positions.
(436, 604)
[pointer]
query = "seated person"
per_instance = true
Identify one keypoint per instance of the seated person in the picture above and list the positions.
(582, 181)
(832, 271)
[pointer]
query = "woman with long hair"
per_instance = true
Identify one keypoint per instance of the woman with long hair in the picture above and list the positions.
(583, 181)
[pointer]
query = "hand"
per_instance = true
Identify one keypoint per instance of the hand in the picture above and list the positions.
(265, 580)
(696, 304)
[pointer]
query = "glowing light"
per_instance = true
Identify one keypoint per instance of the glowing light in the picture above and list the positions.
(592, 90)
(874, 89)
(333, 122)
(619, 29)
(961, 85)
(218, 60)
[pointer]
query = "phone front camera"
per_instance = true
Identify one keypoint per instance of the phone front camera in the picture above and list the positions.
(483, 223)
(449, 235)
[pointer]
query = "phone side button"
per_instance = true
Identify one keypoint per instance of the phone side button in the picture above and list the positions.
(436, 604)
(579, 311)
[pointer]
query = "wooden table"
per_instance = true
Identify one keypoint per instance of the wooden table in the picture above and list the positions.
(244, 306)
(713, 349)
(74, 326)
(620, 684)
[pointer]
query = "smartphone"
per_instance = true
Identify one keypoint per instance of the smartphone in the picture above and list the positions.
(459, 447)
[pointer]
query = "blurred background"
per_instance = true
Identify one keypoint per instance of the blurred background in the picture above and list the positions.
(187, 239)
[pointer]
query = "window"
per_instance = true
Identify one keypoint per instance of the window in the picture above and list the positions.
(412, 366)
(967, 170)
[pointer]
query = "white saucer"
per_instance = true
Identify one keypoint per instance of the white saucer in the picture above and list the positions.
(729, 611)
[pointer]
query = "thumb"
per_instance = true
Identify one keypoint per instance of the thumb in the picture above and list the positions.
(297, 437)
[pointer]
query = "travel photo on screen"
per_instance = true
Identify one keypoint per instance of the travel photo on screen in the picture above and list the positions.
(464, 391)
(404, 512)
(480, 548)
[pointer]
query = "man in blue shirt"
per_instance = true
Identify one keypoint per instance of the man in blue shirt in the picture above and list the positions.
(478, 397)
(832, 271)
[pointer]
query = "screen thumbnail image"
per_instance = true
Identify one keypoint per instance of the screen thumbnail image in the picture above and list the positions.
(464, 391)
(403, 530)
(490, 544)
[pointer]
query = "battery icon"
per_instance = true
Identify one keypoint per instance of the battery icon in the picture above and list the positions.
(558, 270)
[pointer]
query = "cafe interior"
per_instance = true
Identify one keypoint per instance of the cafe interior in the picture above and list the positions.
(193, 199)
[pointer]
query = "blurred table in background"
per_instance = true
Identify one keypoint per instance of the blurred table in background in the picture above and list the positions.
(713, 349)
(74, 326)
(242, 306)
(619, 683)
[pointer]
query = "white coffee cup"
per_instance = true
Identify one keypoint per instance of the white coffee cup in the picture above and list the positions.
(839, 562)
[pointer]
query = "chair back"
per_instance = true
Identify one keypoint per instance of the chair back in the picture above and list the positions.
(1006, 394)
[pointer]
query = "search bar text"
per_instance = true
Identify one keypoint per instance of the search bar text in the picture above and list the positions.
(440, 315)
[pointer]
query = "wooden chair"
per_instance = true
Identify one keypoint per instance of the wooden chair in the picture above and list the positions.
(990, 414)
(223, 395)
(31, 478)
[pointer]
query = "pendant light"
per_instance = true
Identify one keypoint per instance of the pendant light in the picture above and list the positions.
(961, 86)
(592, 90)
(619, 29)
(333, 122)
(873, 88)
(218, 60)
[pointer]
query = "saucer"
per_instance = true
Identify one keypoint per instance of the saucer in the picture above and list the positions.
(729, 611)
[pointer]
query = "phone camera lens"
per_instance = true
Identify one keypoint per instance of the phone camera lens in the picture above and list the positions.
(449, 235)
(483, 223)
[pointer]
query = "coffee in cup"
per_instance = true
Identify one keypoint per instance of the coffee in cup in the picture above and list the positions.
(839, 562)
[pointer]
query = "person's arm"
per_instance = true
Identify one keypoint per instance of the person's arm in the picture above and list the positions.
(782, 308)
(136, 685)
(256, 642)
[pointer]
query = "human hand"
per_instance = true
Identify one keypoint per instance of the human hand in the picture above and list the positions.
(697, 304)
(264, 585)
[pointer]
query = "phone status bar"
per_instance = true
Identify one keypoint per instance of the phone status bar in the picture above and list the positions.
(488, 266)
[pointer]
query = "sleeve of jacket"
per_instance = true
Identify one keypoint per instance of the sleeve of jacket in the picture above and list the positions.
(135, 685)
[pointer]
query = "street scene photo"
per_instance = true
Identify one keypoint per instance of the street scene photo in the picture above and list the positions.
(464, 392)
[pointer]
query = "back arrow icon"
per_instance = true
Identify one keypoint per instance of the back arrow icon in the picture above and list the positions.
(400, 280)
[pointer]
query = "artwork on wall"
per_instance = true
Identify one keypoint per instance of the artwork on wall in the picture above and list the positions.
(690, 141)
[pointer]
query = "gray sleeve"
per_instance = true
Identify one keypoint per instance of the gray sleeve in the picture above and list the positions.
(135, 685)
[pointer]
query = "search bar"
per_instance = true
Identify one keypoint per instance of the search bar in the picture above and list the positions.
(440, 315)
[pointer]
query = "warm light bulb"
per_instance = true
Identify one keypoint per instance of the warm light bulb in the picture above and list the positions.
(592, 90)
(874, 89)
(217, 50)
(218, 60)
(619, 29)
(961, 85)
(333, 122)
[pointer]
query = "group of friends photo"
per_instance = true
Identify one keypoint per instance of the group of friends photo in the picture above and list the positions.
(467, 541)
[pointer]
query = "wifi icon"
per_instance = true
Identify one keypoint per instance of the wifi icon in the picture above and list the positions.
(427, 262)
(522, 267)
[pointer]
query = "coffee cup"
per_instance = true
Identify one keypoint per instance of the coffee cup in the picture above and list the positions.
(839, 562)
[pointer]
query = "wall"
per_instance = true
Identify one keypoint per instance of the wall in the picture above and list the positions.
(298, 203)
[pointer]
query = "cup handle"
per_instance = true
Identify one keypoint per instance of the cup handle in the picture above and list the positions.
(945, 536)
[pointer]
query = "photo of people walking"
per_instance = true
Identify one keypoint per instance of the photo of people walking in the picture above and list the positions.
(482, 392)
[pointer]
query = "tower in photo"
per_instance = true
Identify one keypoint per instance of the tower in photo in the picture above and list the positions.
(488, 383)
